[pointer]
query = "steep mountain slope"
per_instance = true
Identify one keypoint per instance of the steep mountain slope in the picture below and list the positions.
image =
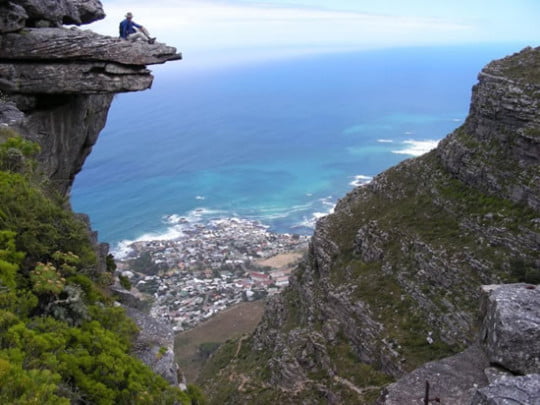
(393, 277)
(62, 337)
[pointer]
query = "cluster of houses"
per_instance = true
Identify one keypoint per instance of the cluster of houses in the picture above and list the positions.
(208, 269)
(229, 243)
(185, 299)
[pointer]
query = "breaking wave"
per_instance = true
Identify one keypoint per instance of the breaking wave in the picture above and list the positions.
(360, 180)
(416, 148)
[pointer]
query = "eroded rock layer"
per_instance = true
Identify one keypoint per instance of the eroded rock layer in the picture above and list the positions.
(56, 87)
(57, 83)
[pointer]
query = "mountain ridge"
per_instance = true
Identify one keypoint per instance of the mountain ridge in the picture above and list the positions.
(393, 276)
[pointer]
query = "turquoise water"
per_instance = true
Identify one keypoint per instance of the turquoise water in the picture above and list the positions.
(278, 142)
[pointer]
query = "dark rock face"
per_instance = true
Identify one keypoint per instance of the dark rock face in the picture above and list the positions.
(12, 17)
(511, 327)
(155, 345)
(66, 128)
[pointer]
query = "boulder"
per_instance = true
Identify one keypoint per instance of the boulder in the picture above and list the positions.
(89, 10)
(10, 115)
(523, 390)
(57, 12)
(12, 17)
(453, 380)
(511, 326)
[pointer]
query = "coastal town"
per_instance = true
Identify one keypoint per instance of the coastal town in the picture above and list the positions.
(209, 268)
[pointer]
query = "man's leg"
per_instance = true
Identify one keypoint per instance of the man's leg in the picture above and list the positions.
(145, 32)
(149, 38)
(137, 35)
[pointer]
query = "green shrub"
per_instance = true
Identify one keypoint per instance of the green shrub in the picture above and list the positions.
(16, 153)
(42, 226)
(10, 259)
(110, 263)
(60, 340)
(124, 282)
(207, 348)
(196, 395)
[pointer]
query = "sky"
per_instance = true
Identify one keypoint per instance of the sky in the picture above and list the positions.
(220, 31)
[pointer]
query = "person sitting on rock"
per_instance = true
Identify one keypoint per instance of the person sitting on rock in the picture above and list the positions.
(129, 29)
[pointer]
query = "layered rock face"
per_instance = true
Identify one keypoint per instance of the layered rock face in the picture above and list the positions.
(504, 118)
(59, 82)
(56, 87)
(393, 277)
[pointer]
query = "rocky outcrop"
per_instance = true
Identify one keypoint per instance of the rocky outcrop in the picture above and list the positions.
(62, 80)
(51, 44)
(504, 116)
(503, 365)
(155, 345)
(56, 87)
(511, 327)
(450, 381)
(515, 390)
(53, 13)
(393, 276)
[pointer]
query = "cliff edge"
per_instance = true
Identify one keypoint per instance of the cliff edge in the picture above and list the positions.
(57, 83)
(393, 277)
(56, 87)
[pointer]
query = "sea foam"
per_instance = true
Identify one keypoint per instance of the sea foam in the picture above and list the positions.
(417, 148)
(360, 180)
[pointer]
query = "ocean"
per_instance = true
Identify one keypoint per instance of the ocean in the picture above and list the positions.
(278, 142)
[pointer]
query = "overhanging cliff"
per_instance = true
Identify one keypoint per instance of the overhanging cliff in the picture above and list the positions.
(393, 277)
(57, 83)
(56, 87)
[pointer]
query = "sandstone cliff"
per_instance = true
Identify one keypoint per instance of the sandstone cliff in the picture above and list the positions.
(56, 87)
(57, 83)
(393, 277)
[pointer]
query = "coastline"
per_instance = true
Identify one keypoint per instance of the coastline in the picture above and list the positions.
(210, 268)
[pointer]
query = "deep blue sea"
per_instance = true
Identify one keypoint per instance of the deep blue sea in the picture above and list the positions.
(278, 141)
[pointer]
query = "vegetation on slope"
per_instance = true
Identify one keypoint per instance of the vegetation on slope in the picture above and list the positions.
(61, 339)
(422, 218)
